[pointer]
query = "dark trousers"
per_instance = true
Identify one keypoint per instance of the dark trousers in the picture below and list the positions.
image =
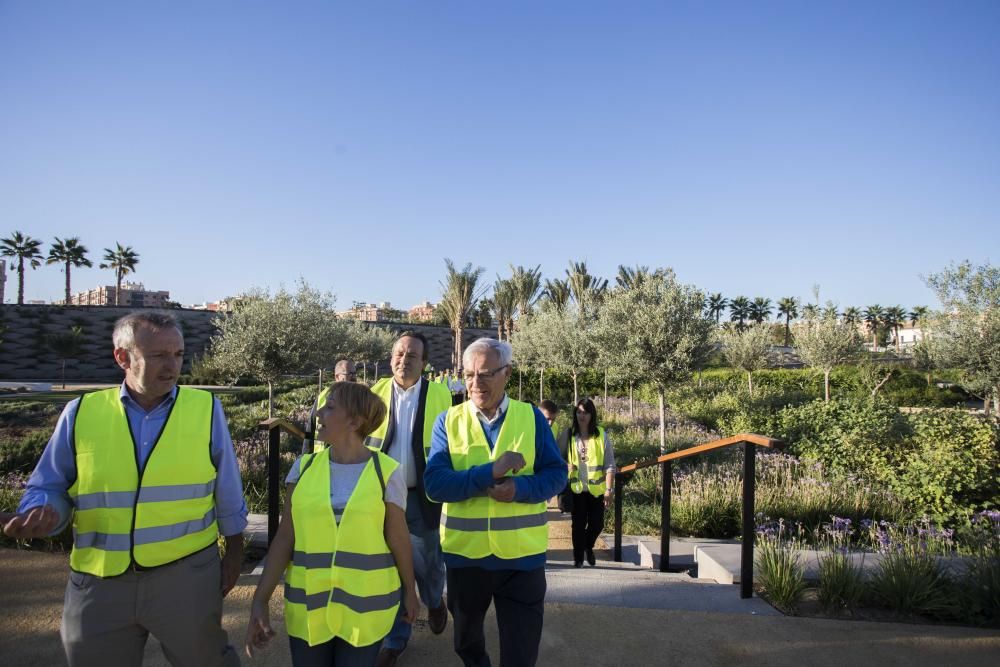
(588, 522)
(519, 599)
(334, 653)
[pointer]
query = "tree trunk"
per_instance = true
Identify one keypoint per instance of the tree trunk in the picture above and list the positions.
(520, 381)
(788, 330)
(605, 388)
(118, 291)
(826, 385)
(64, 373)
(20, 281)
(456, 360)
(67, 287)
(663, 425)
(631, 401)
(541, 384)
(574, 388)
(364, 371)
(750, 382)
(376, 372)
(270, 399)
(928, 378)
(320, 381)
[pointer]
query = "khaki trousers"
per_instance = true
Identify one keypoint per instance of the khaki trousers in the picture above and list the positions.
(106, 621)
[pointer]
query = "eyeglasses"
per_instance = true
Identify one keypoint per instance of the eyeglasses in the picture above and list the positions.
(483, 375)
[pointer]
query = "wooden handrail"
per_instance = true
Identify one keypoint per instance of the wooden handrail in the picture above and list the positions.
(750, 442)
(752, 438)
(287, 426)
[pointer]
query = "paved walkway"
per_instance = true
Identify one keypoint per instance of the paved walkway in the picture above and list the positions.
(609, 615)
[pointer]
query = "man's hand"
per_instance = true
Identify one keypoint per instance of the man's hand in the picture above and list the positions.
(36, 522)
(503, 492)
(511, 461)
(232, 562)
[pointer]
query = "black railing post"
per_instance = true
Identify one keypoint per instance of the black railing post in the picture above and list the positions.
(746, 556)
(665, 517)
(273, 479)
(618, 518)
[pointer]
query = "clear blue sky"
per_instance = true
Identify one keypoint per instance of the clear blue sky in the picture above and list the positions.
(757, 148)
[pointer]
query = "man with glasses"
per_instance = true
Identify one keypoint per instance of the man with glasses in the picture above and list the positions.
(493, 464)
(345, 371)
(414, 404)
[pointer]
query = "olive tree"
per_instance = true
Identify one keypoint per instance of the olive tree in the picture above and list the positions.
(825, 342)
(967, 333)
(749, 349)
(656, 330)
(559, 339)
(267, 337)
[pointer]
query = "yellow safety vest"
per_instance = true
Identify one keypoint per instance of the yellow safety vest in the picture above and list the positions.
(596, 480)
(480, 526)
(342, 580)
(438, 401)
(155, 515)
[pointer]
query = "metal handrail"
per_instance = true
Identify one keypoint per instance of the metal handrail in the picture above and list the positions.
(274, 427)
(750, 442)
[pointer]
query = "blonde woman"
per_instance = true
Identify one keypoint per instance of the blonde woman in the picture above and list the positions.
(344, 541)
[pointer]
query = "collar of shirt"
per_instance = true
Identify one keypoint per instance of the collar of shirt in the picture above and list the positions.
(126, 397)
(401, 393)
(501, 409)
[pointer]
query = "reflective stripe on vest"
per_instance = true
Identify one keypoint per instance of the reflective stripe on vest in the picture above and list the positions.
(154, 516)
(596, 472)
(480, 526)
(438, 401)
(342, 580)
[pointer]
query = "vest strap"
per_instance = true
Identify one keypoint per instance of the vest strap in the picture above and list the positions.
(173, 531)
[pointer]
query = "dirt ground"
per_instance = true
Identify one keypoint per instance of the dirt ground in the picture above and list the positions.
(33, 584)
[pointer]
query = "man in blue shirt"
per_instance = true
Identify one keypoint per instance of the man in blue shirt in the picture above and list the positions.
(107, 619)
(516, 586)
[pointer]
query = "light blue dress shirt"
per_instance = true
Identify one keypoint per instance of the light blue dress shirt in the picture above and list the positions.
(56, 469)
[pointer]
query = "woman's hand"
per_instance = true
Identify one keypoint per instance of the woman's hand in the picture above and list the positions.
(411, 604)
(608, 497)
(259, 631)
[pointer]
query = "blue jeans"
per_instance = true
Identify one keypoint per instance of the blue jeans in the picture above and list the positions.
(428, 568)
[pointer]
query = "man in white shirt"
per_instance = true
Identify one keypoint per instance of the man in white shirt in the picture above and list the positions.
(414, 404)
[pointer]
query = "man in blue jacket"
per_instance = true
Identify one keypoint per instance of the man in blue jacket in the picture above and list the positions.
(494, 464)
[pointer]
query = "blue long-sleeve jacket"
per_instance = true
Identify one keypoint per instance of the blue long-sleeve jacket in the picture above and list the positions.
(56, 469)
(445, 484)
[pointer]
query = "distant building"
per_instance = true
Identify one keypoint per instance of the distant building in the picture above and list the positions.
(133, 295)
(421, 312)
(223, 306)
(909, 336)
(369, 312)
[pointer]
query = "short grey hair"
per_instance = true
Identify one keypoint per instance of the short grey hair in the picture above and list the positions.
(124, 332)
(502, 349)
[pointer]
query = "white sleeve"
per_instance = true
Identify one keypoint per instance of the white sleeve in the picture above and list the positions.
(395, 489)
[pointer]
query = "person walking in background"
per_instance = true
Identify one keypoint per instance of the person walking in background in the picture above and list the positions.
(344, 371)
(147, 474)
(494, 464)
(413, 404)
(550, 410)
(344, 532)
(591, 463)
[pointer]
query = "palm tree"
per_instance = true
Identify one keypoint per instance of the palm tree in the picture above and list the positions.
(788, 307)
(24, 248)
(527, 284)
(585, 288)
(458, 295)
(852, 315)
(918, 315)
(557, 293)
(810, 311)
(123, 260)
(739, 310)
(502, 305)
(715, 305)
(894, 316)
(873, 317)
(70, 253)
(760, 309)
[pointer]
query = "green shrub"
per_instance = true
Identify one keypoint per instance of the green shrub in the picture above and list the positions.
(778, 574)
(951, 467)
(20, 454)
(841, 582)
(913, 582)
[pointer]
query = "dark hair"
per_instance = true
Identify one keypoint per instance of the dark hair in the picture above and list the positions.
(419, 336)
(588, 406)
(549, 406)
